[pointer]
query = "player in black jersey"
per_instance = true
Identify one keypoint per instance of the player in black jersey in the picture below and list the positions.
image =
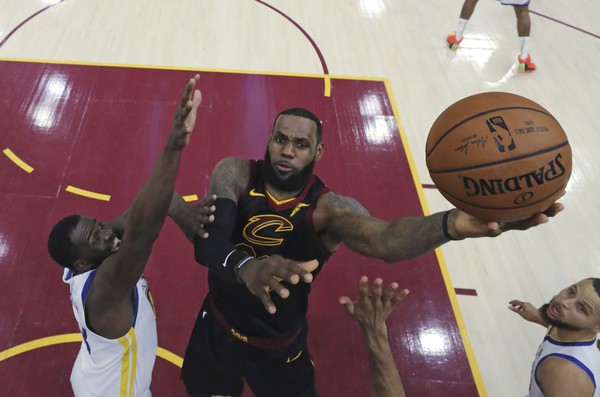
(276, 224)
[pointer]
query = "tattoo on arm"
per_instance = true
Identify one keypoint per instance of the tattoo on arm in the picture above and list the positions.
(408, 237)
(229, 178)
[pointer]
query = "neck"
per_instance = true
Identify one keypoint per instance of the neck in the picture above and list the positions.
(572, 336)
(281, 195)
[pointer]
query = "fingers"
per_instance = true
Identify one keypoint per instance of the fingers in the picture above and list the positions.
(267, 302)
(363, 288)
(554, 209)
(348, 304)
(187, 91)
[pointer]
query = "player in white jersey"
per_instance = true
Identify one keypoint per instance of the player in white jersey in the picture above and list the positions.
(523, 29)
(114, 368)
(104, 264)
(568, 360)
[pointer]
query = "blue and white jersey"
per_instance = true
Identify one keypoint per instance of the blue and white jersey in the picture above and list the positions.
(584, 354)
(114, 367)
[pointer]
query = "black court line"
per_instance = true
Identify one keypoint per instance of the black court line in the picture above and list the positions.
(564, 23)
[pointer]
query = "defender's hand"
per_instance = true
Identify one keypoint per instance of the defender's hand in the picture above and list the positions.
(262, 275)
(185, 116)
(372, 308)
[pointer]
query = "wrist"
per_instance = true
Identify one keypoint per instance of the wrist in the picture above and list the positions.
(446, 227)
(241, 267)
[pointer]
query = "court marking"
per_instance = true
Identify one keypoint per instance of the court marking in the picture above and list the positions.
(71, 338)
(565, 24)
(327, 79)
(465, 291)
(191, 197)
(87, 193)
(27, 20)
(15, 159)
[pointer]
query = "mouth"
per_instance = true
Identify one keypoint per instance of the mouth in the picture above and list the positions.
(284, 167)
(116, 244)
(553, 310)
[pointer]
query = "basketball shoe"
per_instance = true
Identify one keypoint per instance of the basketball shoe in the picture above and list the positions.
(525, 65)
(453, 43)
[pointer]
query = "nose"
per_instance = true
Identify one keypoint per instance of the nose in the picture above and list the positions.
(288, 149)
(567, 303)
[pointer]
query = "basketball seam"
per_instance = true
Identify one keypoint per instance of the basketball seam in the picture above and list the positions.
(479, 114)
(524, 156)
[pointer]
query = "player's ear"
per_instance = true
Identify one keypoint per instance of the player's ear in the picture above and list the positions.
(319, 151)
(81, 266)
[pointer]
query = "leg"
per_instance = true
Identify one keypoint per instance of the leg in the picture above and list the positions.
(456, 37)
(523, 29)
(213, 360)
(467, 9)
(523, 21)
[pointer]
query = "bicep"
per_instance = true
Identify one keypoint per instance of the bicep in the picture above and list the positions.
(559, 377)
(349, 222)
(229, 178)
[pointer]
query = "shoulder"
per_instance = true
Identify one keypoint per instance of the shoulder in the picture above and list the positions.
(335, 204)
(229, 177)
(559, 376)
(233, 163)
(334, 208)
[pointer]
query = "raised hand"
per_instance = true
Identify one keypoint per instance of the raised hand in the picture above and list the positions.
(527, 311)
(371, 309)
(185, 116)
(191, 218)
(261, 276)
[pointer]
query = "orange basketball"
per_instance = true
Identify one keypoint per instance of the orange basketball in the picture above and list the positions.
(498, 156)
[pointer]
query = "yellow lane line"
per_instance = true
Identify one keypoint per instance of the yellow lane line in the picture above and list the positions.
(192, 197)
(327, 86)
(15, 159)
(38, 343)
(70, 338)
(87, 193)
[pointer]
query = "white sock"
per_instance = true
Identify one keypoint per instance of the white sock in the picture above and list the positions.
(524, 46)
(462, 23)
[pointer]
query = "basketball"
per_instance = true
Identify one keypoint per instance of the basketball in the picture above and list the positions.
(498, 156)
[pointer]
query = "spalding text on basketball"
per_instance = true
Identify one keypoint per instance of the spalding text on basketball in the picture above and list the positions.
(483, 187)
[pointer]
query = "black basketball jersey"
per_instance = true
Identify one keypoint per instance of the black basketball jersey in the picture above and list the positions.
(266, 227)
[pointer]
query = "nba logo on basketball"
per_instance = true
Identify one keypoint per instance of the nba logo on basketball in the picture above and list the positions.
(501, 134)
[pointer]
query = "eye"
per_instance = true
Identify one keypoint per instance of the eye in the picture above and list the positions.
(301, 145)
(581, 308)
(279, 140)
(100, 226)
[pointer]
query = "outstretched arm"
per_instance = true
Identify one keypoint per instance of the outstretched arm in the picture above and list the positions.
(108, 305)
(343, 220)
(370, 311)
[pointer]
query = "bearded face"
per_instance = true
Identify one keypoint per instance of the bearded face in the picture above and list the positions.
(289, 182)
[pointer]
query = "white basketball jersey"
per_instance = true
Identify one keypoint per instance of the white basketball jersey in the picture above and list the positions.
(114, 367)
(586, 355)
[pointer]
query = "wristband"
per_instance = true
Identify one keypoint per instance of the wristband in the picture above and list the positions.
(445, 226)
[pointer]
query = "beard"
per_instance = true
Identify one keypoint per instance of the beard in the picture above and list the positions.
(292, 183)
(556, 323)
